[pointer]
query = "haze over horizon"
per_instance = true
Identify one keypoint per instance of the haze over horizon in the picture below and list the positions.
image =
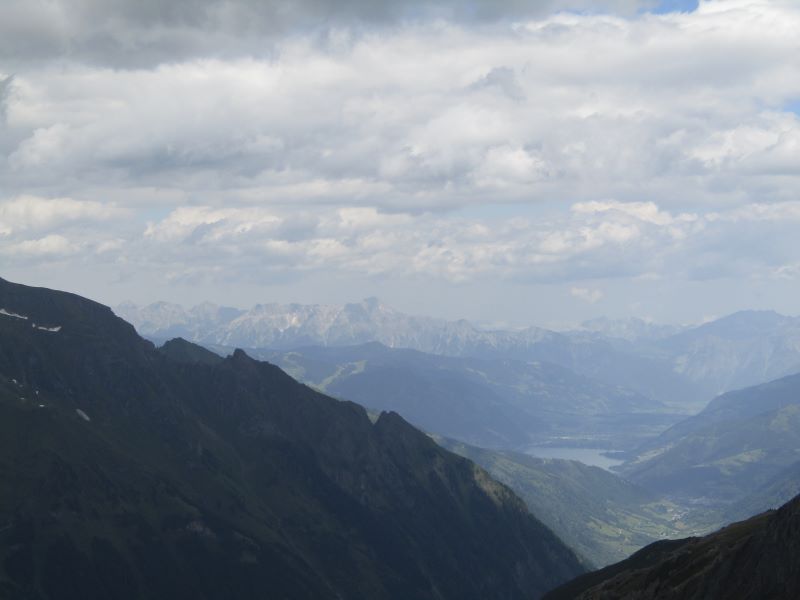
(495, 325)
(512, 163)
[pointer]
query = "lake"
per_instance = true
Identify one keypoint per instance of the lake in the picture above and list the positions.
(588, 456)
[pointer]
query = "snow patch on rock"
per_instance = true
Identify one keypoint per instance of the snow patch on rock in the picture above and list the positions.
(8, 313)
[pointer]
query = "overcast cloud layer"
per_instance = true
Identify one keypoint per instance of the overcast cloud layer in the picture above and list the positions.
(551, 163)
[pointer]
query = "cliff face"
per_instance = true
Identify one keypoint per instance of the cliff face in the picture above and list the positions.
(129, 472)
(756, 558)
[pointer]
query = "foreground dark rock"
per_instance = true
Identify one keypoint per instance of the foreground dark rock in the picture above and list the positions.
(127, 472)
(756, 558)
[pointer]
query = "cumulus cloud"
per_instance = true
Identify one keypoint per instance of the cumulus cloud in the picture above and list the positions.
(5, 90)
(37, 231)
(248, 140)
(438, 115)
(120, 33)
(634, 240)
(26, 212)
(49, 246)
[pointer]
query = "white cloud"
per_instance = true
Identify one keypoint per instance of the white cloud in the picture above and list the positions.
(46, 247)
(643, 211)
(604, 240)
(586, 294)
(431, 116)
(522, 147)
(25, 213)
(137, 34)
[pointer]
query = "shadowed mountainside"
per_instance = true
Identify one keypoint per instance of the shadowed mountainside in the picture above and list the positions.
(130, 473)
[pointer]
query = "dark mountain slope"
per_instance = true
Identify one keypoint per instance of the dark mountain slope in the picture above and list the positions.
(756, 558)
(126, 472)
(179, 350)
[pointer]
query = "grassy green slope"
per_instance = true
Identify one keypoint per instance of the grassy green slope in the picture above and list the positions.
(724, 462)
(604, 518)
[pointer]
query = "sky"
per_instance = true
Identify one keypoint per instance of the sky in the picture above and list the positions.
(511, 162)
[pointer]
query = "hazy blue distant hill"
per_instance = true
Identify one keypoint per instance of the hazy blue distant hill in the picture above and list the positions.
(631, 329)
(735, 406)
(488, 402)
(128, 472)
(740, 350)
(733, 449)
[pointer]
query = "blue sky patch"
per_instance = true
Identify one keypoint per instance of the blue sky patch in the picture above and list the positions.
(668, 6)
(793, 106)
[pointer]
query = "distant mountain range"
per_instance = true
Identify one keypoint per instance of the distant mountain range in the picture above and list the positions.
(294, 325)
(681, 367)
(631, 329)
(131, 472)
